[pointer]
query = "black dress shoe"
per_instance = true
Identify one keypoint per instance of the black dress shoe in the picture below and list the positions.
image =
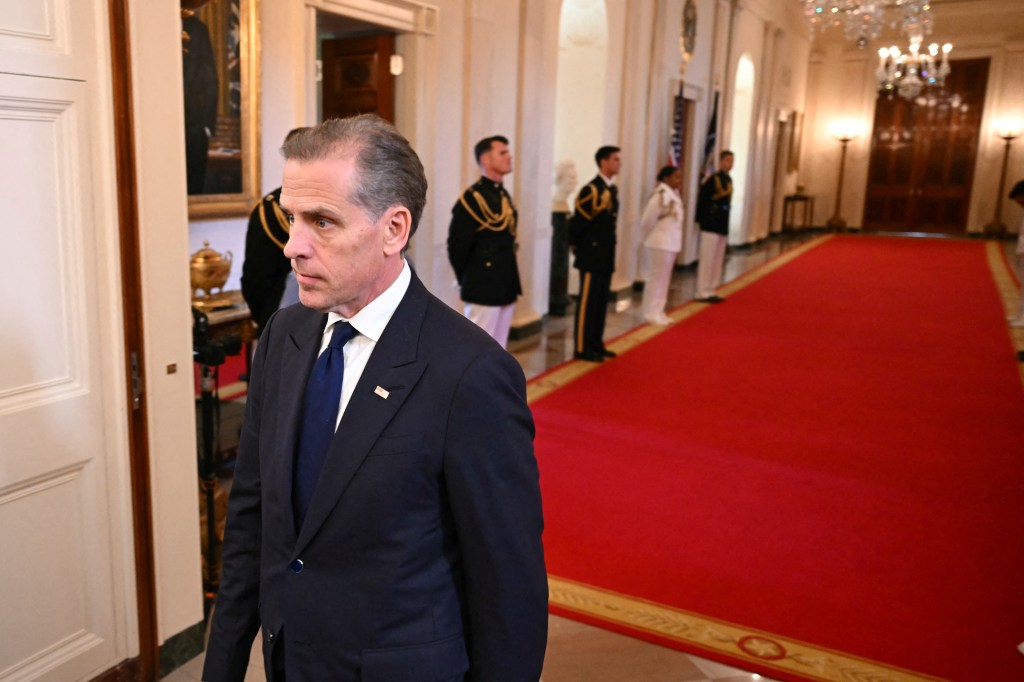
(609, 353)
(589, 356)
(710, 299)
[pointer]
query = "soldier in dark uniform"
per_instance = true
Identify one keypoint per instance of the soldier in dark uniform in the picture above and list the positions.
(482, 243)
(267, 281)
(713, 203)
(592, 237)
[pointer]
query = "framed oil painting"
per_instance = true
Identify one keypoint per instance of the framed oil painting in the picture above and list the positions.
(220, 57)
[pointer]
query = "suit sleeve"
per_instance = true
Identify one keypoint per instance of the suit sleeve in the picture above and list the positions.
(236, 615)
(494, 489)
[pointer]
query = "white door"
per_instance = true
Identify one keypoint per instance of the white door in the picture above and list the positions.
(65, 524)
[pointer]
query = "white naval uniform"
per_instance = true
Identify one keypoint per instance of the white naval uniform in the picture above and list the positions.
(662, 228)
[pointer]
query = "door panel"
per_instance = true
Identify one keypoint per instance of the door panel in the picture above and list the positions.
(923, 154)
(40, 37)
(62, 578)
(357, 76)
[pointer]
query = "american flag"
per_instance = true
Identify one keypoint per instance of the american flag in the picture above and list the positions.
(709, 141)
(675, 152)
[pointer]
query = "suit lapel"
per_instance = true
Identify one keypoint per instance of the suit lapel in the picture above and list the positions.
(299, 353)
(394, 366)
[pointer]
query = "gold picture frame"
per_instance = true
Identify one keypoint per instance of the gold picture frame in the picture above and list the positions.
(220, 43)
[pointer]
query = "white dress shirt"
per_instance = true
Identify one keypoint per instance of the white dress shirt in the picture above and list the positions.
(369, 323)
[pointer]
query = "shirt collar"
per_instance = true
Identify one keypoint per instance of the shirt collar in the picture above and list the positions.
(371, 320)
(607, 181)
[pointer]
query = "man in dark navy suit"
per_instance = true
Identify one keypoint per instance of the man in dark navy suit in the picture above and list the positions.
(411, 549)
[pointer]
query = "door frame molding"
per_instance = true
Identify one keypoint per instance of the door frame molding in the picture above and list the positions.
(146, 666)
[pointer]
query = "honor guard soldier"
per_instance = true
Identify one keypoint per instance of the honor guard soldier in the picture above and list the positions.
(592, 237)
(713, 204)
(482, 243)
(267, 279)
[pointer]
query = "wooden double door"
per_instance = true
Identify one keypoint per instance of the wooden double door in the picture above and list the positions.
(357, 76)
(923, 153)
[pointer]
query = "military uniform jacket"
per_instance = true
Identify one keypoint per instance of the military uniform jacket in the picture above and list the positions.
(265, 268)
(713, 203)
(662, 222)
(482, 245)
(592, 226)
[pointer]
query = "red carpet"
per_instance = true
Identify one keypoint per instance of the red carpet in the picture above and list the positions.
(822, 478)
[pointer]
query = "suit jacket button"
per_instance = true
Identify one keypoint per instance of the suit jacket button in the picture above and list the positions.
(296, 566)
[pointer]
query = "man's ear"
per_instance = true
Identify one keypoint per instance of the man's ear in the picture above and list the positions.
(397, 228)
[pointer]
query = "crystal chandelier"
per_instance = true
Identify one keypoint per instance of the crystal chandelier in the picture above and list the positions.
(904, 73)
(864, 20)
(907, 74)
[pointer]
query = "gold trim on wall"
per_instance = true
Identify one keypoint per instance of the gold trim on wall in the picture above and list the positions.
(238, 203)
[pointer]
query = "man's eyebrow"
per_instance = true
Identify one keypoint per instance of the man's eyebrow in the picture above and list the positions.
(318, 211)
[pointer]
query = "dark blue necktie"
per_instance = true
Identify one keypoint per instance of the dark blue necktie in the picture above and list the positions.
(319, 416)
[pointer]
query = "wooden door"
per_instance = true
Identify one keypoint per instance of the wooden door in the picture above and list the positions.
(357, 76)
(923, 154)
(65, 523)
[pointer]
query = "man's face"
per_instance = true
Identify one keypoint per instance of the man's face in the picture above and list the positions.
(725, 163)
(609, 167)
(1020, 200)
(497, 160)
(341, 259)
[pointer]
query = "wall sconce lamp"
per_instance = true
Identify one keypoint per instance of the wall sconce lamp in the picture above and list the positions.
(844, 132)
(1008, 131)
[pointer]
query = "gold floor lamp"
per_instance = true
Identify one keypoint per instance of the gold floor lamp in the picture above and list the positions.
(1008, 133)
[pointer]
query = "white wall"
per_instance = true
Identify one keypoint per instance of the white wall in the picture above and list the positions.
(581, 84)
(163, 240)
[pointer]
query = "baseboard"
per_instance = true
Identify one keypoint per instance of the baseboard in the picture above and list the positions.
(182, 647)
(126, 671)
(524, 330)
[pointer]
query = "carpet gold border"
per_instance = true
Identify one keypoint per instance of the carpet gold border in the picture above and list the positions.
(573, 370)
(1009, 291)
(737, 642)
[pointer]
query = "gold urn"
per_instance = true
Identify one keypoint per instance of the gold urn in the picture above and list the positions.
(208, 271)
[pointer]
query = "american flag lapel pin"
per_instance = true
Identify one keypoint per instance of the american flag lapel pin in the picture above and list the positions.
(382, 392)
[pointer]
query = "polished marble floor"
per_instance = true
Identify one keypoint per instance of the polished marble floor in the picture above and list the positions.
(578, 652)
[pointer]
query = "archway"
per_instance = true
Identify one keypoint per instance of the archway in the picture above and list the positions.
(579, 115)
(739, 142)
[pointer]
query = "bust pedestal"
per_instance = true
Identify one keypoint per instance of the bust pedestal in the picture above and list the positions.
(558, 296)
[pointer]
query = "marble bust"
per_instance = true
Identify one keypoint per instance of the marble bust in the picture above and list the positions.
(565, 183)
